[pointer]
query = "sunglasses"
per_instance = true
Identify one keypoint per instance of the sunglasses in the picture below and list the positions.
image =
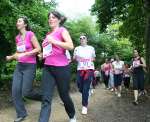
(83, 37)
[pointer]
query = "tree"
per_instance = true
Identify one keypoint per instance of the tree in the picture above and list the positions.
(147, 36)
(131, 13)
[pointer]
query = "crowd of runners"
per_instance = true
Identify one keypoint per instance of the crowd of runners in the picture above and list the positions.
(115, 74)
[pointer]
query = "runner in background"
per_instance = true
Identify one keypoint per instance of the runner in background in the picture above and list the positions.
(137, 68)
(97, 76)
(106, 67)
(126, 77)
(84, 55)
(118, 68)
(111, 77)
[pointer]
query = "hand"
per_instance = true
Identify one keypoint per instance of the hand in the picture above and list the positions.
(113, 71)
(78, 58)
(8, 58)
(40, 56)
(51, 40)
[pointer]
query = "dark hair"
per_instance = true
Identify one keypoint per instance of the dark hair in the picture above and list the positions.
(136, 50)
(59, 16)
(25, 19)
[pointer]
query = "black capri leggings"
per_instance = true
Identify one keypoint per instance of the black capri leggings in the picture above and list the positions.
(138, 80)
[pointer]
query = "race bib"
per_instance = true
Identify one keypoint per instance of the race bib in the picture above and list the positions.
(21, 47)
(117, 71)
(86, 64)
(47, 49)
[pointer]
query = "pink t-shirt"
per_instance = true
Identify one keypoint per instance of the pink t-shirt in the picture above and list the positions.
(57, 56)
(25, 46)
(106, 68)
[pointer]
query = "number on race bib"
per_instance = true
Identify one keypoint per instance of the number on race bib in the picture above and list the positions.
(85, 64)
(47, 49)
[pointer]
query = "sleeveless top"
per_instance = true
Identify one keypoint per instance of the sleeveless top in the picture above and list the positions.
(25, 46)
(135, 65)
(56, 55)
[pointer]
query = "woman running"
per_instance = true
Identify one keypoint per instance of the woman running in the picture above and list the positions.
(56, 69)
(27, 47)
(137, 67)
(84, 55)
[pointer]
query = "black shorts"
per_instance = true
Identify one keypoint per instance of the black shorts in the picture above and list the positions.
(118, 80)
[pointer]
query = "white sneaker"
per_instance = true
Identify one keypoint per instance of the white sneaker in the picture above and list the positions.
(142, 93)
(73, 119)
(119, 95)
(84, 110)
(92, 91)
(116, 93)
(111, 89)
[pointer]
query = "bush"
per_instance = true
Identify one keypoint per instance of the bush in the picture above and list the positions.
(6, 76)
(37, 81)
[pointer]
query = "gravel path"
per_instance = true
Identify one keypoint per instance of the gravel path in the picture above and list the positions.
(104, 106)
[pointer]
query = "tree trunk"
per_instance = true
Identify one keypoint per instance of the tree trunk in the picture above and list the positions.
(147, 38)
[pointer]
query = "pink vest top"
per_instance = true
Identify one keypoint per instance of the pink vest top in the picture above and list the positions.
(25, 46)
(58, 56)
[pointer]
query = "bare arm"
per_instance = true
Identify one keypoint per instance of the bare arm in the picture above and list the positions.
(36, 47)
(143, 61)
(67, 44)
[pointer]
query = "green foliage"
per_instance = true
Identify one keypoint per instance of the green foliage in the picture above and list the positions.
(129, 12)
(37, 81)
(108, 47)
(10, 11)
(135, 16)
(9, 67)
(83, 25)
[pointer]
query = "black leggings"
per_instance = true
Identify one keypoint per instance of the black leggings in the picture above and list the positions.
(59, 76)
(126, 81)
(106, 79)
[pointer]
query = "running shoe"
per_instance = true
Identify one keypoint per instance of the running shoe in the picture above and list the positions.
(119, 95)
(20, 119)
(135, 102)
(73, 119)
(84, 110)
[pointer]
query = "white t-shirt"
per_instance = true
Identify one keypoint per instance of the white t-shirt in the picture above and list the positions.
(118, 67)
(84, 56)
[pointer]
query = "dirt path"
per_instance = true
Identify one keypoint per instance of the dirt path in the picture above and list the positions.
(104, 106)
